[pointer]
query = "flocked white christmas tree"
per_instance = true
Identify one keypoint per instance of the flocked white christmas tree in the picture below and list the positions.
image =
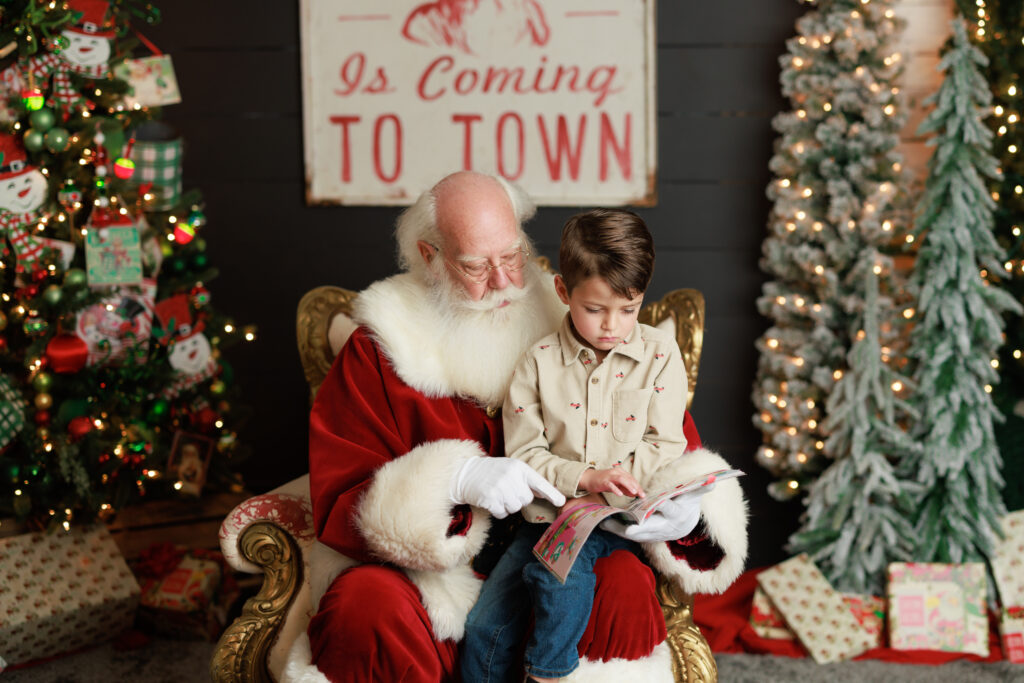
(836, 189)
(958, 326)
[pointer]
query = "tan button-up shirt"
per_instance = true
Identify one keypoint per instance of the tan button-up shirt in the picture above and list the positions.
(565, 412)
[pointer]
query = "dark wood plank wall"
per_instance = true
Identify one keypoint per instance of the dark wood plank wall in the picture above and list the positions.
(238, 67)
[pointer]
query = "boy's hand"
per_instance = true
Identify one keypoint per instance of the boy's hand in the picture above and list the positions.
(614, 480)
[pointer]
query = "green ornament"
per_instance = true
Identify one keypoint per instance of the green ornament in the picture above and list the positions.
(33, 140)
(34, 326)
(53, 294)
(158, 409)
(42, 382)
(196, 219)
(42, 120)
(217, 387)
(75, 277)
(200, 260)
(56, 139)
(177, 265)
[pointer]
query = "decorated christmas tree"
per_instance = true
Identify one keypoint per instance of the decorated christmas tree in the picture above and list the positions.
(836, 193)
(112, 383)
(958, 326)
(998, 30)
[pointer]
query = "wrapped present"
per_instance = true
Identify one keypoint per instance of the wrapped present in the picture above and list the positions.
(182, 592)
(868, 610)
(814, 611)
(61, 592)
(766, 620)
(1008, 561)
(938, 607)
(1011, 628)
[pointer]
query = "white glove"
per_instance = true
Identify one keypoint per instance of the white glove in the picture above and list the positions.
(674, 519)
(501, 486)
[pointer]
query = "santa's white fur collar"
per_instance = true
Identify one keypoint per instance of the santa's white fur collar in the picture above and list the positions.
(404, 318)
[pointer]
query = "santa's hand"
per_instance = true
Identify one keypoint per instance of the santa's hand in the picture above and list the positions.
(674, 519)
(501, 486)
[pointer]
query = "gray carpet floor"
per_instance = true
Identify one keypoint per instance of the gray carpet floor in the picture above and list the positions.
(167, 661)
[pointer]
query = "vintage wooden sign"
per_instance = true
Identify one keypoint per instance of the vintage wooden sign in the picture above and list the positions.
(554, 95)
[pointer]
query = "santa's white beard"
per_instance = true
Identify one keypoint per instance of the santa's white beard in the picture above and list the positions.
(486, 340)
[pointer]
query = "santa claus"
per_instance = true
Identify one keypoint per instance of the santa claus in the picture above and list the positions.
(406, 473)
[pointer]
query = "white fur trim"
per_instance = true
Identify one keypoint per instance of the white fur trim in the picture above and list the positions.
(724, 511)
(300, 668)
(403, 317)
(447, 596)
(406, 511)
(655, 668)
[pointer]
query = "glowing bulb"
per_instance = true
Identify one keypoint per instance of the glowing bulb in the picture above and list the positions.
(897, 386)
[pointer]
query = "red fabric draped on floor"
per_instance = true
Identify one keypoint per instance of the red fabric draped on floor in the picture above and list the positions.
(725, 622)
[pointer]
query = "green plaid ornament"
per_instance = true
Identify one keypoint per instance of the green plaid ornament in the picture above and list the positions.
(157, 154)
(12, 411)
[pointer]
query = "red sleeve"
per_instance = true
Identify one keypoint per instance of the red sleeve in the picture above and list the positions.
(352, 433)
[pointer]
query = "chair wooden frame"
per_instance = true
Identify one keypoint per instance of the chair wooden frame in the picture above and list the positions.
(242, 653)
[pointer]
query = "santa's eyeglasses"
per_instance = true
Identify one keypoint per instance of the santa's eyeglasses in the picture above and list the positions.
(479, 270)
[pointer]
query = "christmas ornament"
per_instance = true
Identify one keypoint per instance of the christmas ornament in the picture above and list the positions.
(56, 139)
(200, 261)
(43, 401)
(158, 410)
(78, 427)
(183, 233)
(32, 98)
(35, 325)
(33, 140)
(69, 194)
(118, 323)
(42, 382)
(66, 354)
(196, 219)
(42, 120)
(42, 417)
(124, 168)
(189, 349)
(53, 294)
(200, 296)
(75, 278)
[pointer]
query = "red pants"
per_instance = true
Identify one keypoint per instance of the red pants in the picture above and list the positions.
(372, 627)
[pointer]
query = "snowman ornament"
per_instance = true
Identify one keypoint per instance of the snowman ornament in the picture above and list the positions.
(189, 352)
(88, 47)
(23, 191)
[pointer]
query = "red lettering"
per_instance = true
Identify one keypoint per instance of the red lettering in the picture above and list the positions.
(622, 152)
(502, 171)
(379, 84)
(351, 73)
(346, 157)
(377, 148)
(563, 149)
(467, 137)
(461, 86)
(443, 63)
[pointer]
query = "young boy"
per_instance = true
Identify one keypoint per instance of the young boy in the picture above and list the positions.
(596, 408)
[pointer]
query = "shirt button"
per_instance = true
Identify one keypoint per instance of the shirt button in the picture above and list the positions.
(593, 381)
(593, 423)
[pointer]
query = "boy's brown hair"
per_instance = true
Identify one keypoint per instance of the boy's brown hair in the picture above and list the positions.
(613, 244)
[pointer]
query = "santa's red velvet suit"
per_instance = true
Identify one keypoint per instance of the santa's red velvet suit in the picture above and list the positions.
(397, 416)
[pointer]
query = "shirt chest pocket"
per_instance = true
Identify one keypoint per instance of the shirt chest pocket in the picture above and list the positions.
(629, 414)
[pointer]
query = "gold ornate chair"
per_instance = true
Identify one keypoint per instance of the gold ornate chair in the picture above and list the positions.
(272, 533)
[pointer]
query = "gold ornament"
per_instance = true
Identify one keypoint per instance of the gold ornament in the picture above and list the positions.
(44, 401)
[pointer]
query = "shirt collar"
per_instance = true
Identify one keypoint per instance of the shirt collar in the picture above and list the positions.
(632, 347)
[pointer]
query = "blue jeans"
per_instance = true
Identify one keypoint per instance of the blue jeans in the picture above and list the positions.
(498, 621)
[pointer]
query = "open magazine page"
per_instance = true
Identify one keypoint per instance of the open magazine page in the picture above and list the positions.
(642, 508)
(559, 545)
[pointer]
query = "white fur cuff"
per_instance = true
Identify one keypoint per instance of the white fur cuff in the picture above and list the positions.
(724, 513)
(406, 512)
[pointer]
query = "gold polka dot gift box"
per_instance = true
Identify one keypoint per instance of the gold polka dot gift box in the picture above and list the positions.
(814, 611)
(63, 591)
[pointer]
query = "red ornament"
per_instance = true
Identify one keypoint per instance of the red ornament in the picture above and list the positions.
(79, 427)
(42, 417)
(203, 420)
(3, 344)
(66, 353)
